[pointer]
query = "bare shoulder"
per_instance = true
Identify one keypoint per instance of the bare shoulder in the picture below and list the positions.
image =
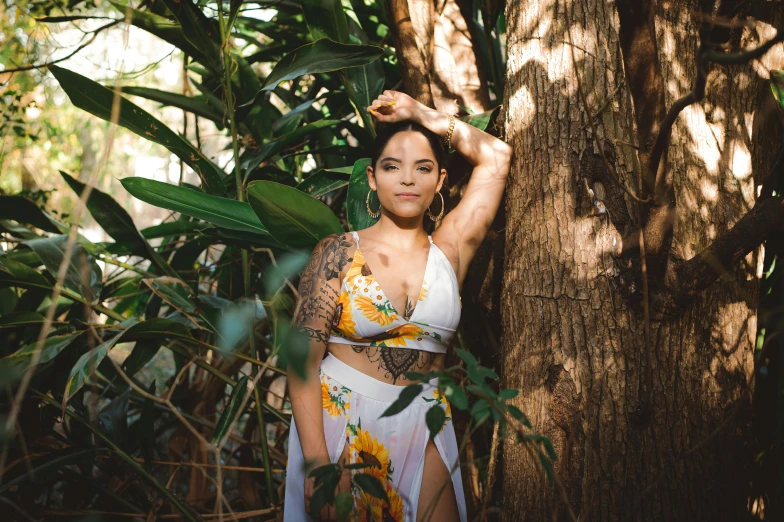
(331, 256)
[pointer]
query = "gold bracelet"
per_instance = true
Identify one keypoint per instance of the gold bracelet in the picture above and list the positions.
(448, 138)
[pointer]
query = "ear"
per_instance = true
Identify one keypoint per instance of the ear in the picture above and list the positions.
(441, 179)
(371, 177)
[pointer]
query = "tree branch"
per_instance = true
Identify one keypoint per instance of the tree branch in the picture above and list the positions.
(685, 281)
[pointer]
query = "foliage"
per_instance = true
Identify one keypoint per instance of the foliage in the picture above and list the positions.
(88, 432)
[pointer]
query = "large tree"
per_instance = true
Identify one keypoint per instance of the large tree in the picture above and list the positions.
(636, 356)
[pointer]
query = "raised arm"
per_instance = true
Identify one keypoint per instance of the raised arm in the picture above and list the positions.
(318, 288)
(464, 228)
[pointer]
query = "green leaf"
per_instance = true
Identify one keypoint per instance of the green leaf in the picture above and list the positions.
(323, 182)
(90, 360)
(174, 291)
(481, 120)
(116, 221)
(292, 217)
(407, 395)
(358, 188)
(326, 19)
(96, 99)
(231, 409)
(142, 353)
(275, 146)
(171, 228)
(195, 105)
(202, 32)
(321, 56)
(13, 366)
(456, 396)
(466, 356)
(509, 393)
(371, 485)
(163, 29)
(223, 212)
(434, 418)
(14, 273)
(344, 504)
(17, 319)
(25, 211)
(51, 251)
(777, 86)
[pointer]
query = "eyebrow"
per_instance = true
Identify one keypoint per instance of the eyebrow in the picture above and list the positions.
(424, 160)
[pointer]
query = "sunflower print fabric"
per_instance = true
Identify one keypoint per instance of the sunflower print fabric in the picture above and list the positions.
(334, 396)
(365, 316)
(366, 449)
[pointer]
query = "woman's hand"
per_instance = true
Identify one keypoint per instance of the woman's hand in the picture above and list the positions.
(392, 106)
(328, 513)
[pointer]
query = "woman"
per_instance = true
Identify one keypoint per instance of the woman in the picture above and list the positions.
(398, 317)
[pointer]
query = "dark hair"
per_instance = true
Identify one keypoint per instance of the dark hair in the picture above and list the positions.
(387, 130)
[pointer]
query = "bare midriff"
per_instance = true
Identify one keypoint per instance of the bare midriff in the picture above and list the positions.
(387, 364)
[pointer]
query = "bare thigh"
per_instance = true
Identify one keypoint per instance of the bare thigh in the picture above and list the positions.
(434, 476)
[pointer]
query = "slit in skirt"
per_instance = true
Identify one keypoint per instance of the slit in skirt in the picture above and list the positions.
(352, 404)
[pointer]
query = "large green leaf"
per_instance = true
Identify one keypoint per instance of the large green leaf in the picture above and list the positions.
(327, 19)
(25, 211)
(196, 105)
(356, 206)
(224, 212)
(292, 217)
(323, 182)
(14, 273)
(96, 99)
(324, 55)
(13, 366)
(116, 221)
(51, 251)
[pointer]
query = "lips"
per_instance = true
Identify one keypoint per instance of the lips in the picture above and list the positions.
(408, 194)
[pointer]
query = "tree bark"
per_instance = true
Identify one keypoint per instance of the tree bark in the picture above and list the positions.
(434, 47)
(654, 429)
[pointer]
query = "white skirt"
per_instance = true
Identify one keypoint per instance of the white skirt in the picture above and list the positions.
(352, 405)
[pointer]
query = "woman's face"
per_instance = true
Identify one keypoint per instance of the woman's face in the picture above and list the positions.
(406, 177)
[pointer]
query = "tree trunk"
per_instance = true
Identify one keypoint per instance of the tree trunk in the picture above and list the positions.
(656, 433)
(438, 63)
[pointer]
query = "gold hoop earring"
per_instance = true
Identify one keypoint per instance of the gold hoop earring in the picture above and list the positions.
(430, 214)
(375, 214)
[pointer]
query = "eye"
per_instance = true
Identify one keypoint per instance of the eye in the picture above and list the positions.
(427, 169)
(388, 166)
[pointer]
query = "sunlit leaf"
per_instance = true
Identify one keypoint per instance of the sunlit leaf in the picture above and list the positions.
(96, 99)
(292, 217)
(356, 204)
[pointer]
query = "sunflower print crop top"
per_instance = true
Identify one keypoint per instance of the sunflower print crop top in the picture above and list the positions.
(365, 317)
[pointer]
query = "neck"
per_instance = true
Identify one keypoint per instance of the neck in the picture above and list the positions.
(405, 232)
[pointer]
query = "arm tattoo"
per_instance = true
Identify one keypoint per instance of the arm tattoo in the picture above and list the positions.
(318, 299)
(396, 361)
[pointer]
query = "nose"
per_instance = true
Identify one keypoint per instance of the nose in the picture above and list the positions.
(407, 178)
